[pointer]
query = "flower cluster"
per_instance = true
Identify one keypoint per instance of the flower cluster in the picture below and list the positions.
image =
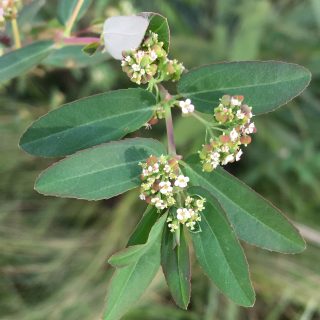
(161, 179)
(187, 215)
(234, 119)
(150, 61)
(8, 10)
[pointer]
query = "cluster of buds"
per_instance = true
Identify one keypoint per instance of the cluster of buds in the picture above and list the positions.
(161, 179)
(150, 61)
(234, 119)
(8, 10)
(187, 215)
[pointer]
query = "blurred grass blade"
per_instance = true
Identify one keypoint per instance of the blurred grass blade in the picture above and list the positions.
(265, 85)
(130, 282)
(254, 219)
(99, 173)
(88, 122)
(175, 264)
(66, 8)
(22, 60)
(219, 252)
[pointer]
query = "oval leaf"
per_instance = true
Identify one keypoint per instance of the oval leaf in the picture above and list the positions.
(219, 252)
(88, 122)
(159, 24)
(66, 9)
(101, 172)
(175, 264)
(73, 57)
(254, 219)
(22, 60)
(141, 232)
(265, 85)
(124, 33)
(130, 282)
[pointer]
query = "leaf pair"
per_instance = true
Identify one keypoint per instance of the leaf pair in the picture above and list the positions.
(218, 252)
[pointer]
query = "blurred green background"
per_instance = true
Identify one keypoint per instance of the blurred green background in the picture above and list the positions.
(53, 251)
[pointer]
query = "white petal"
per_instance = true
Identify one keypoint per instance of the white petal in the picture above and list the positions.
(124, 33)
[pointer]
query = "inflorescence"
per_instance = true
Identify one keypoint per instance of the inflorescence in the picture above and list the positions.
(150, 62)
(234, 120)
(163, 186)
(8, 10)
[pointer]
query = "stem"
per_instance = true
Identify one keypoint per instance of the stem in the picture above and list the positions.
(76, 41)
(170, 132)
(73, 18)
(169, 123)
(16, 34)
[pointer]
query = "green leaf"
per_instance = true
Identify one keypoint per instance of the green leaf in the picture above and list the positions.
(91, 48)
(73, 57)
(101, 172)
(254, 219)
(159, 24)
(175, 263)
(130, 281)
(219, 252)
(22, 60)
(265, 85)
(141, 232)
(88, 122)
(66, 8)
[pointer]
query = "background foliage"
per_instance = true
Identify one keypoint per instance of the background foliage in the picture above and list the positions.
(54, 251)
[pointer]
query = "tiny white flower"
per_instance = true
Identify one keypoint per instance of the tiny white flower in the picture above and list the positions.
(215, 156)
(160, 204)
(239, 154)
(180, 214)
(165, 187)
(214, 164)
(128, 59)
(186, 106)
(188, 200)
(181, 181)
(153, 55)
(234, 135)
(228, 158)
(240, 115)
(136, 67)
(167, 168)
(235, 102)
(142, 72)
(142, 196)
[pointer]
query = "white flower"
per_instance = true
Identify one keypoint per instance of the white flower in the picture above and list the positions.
(235, 102)
(188, 200)
(186, 106)
(165, 187)
(215, 156)
(200, 204)
(153, 55)
(180, 214)
(214, 164)
(167, 168)
(155, 200)
(250, 128)
(234, 135)
(228, 158)
(160, 204)
(128, 59)
(238, 155)
(142, 196)
(240, 115)
(136, 67)
(181, 181)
